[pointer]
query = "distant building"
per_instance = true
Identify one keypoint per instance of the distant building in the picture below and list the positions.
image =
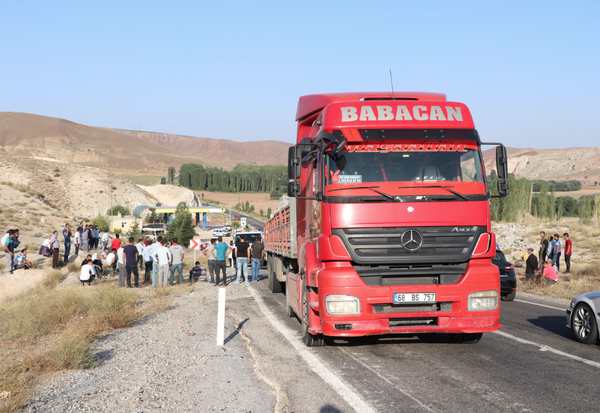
(124, 224)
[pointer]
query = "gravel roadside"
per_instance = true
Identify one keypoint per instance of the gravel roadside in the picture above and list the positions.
(158, 365)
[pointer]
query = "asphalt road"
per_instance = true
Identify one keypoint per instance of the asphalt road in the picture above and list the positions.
(533, 364)
(251, 221)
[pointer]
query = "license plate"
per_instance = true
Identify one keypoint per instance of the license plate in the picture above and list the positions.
(414, 297)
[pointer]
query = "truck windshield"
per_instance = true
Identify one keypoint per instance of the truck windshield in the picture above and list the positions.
(456, 166)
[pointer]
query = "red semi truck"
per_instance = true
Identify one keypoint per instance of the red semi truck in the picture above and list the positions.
(387, 229)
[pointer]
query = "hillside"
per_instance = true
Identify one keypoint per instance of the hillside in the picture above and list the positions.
(571, 163)
(221, 153)
(44, 137)
(76, 190)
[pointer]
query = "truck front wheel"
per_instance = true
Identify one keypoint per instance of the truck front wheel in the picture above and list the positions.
(309, 339)
(465, 338)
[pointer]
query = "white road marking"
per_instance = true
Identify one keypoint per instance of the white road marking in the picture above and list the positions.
(349, 394)
(381, 376)
(541, 305)
(546, 348)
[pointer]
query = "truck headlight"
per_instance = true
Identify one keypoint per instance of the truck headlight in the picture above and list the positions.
(342, 304)
(483, 301)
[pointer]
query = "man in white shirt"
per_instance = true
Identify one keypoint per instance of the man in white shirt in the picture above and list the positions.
(77, 241)
(110, 261)
(87, 273)
(5, 237)
(147, 264)
(163, 258)
(140, 257)
(212, 261)
(153, 248)
(55, 244)
(121, 264)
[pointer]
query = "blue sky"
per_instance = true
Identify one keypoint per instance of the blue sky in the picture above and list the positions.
(528, 70)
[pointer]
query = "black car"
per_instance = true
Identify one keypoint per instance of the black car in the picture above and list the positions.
(508, 280)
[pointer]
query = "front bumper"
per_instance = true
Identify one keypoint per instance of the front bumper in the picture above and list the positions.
(380, 315)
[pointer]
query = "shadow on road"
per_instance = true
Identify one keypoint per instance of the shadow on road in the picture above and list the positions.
(235, 333)
(329, 409)
(389, 339)
(554, 324)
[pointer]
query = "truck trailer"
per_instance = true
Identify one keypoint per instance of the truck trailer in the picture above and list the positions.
(387, 229)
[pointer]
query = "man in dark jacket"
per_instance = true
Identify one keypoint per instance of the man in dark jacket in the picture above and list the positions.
(543, 247)
(531, 265)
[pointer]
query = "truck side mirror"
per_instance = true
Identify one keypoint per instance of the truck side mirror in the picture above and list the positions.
(501, 168)
(294, 163)
(502, 188)
(294, 189)
(501, 162)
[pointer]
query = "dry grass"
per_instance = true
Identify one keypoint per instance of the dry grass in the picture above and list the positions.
(45, 331)
(72, 267)
(592, 244)
(582, 279)
(53, 279)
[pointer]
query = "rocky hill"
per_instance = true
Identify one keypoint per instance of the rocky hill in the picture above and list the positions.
(221, 153)
(76, 190)
(582, 164)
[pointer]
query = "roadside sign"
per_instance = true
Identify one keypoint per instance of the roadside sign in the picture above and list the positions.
(243, 222)
(194, 244)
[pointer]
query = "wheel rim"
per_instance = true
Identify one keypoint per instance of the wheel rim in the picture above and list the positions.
(582, 322)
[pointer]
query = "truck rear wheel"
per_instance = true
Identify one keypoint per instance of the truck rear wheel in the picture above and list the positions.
(465, 338)
(288, 308)
(274, 284)
(311, 340)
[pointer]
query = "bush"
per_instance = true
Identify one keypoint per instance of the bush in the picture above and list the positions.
(102, 222)
(116, 209)
(73, 353)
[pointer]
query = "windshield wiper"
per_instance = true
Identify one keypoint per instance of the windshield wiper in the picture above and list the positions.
(372, 188)
(447, 188)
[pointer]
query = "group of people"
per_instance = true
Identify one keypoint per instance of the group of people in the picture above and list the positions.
(86, 238)
(218, 252)
(11, 242)
(158, 260)
(547, 267)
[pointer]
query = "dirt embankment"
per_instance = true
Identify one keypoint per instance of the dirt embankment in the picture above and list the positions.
(75, 190)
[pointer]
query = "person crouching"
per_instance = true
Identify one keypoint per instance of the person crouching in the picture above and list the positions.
(87, 273)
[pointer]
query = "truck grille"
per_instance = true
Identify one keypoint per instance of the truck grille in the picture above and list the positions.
(440, 245)
(387, 275)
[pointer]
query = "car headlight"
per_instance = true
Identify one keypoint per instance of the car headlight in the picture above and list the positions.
(483, 301)
(342, 304)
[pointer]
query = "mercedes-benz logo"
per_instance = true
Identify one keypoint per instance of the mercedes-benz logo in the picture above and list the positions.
(412, 240)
